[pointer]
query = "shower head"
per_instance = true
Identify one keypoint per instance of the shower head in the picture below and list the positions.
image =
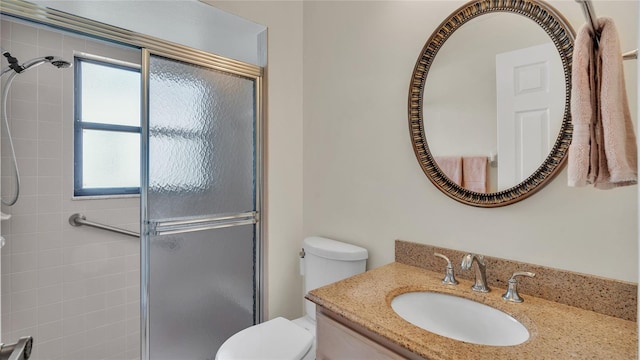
(13, 63)
(60, 64)
(57, 62)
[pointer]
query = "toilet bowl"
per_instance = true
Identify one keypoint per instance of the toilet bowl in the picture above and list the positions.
(323, 261)
(278, 338)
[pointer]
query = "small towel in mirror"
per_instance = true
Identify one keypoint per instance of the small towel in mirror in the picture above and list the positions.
(474, 173)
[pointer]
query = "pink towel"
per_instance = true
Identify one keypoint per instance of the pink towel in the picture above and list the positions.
(451, 166)
(474, 173)
(583, 110)
(603, 150)
(620, 148)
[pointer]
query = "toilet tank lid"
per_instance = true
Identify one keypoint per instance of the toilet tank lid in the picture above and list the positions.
(334, 250)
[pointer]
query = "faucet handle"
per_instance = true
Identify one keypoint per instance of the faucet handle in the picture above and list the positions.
(449, 277)
(512, 290)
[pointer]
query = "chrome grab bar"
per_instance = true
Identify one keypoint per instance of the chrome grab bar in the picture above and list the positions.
(79, 220)
(21, 350)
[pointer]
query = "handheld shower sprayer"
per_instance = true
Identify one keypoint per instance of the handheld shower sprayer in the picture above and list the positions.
(13, 63)
(15, 66)
(19, 69)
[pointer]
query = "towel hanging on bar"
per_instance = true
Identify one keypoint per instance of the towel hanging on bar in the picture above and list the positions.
(603, 148)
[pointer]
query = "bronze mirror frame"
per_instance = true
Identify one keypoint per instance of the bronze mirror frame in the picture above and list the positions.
(562, 35)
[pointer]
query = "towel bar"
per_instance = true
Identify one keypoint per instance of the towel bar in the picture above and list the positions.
(590, 15)
(630, 55)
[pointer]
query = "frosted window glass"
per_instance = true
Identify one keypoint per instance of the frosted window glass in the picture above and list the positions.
(110, 94)
(110, 159)
(201, 141)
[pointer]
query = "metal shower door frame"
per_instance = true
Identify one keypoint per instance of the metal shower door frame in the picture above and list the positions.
(149, 228)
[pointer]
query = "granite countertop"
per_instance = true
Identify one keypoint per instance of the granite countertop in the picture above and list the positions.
(557, 331)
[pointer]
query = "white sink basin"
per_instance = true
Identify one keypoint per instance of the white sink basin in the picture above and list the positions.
(459, 318)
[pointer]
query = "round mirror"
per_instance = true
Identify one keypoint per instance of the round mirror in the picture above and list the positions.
(488, 102)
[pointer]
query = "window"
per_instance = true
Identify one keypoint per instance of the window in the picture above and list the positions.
(106, 128)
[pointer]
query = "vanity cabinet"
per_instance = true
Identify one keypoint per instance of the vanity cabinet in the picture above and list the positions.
(339, 338)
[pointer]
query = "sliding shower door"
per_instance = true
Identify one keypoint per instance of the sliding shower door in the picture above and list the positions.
(200, 205)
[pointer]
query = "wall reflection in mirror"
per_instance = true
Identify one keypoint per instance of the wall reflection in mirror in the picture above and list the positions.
(496, 86)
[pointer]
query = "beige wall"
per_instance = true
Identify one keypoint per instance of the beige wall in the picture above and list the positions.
(358, 176)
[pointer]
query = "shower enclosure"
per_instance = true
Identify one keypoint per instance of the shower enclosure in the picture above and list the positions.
(194, 277)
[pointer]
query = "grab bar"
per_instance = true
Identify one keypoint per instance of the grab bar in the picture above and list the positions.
(79, 220)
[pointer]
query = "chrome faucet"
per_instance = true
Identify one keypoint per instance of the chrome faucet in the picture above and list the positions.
(481, 271)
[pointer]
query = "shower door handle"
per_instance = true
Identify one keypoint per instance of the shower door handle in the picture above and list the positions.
(21, 350)
(169, 227)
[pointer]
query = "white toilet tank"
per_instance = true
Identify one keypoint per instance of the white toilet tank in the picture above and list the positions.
(326, 261)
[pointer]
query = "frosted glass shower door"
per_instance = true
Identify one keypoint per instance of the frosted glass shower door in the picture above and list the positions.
(201, 240)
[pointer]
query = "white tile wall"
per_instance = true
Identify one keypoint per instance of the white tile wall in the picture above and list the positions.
(76, 290)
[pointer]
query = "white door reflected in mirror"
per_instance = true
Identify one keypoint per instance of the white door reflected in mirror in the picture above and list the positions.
(528, 81)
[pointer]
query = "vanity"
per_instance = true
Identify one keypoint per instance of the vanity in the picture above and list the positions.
(355, 319)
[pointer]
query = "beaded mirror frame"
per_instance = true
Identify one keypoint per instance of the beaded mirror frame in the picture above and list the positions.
(562, 35)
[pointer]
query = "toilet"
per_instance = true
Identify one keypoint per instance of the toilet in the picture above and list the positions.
(323, 261)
